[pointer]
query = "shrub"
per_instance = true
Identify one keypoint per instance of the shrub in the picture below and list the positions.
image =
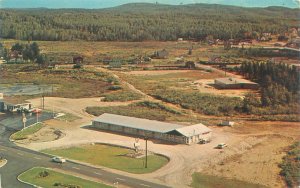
(44, 174)
(113, 88)
(290, 166)
(77, 66)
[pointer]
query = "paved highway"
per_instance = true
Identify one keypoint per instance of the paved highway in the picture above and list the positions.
(21, 159)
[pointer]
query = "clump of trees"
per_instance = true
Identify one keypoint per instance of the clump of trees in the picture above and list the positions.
(262, 52)
(280, 84)
(29, 52)
(290, 167)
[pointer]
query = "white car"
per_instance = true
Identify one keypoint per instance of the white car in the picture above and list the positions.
(58, 159)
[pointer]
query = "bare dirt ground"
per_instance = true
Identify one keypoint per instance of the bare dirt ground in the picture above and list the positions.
(46, 134)
(206, 86)
(253, 153)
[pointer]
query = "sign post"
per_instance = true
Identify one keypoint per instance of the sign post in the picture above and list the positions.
(24, 120)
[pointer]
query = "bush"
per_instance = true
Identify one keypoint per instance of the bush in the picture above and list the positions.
(44, 174)
(114, 88)
(58, 184)
(77, 66)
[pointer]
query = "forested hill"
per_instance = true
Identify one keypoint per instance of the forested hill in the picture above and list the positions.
(141, 21)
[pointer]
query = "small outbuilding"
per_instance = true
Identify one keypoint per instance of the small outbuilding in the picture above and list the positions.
(227, 123)
(235, 83)
(78, 60)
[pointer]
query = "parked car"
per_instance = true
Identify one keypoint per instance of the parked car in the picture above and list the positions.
(221, 146)
(58, 159)
(204, 141)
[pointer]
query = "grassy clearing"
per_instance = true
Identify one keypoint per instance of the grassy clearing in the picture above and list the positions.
(291, 166)
(180, 80)
(200, 102)
(68, 83)
(144, 109)
(207, 181)
(68, 117)
(49, 178)
(23, 134)
(121, 96)
(111, 157)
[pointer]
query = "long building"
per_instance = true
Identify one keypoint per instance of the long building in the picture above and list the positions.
(235, 83)
(152, 129)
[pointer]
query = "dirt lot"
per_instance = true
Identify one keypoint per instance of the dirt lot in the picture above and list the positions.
(191, 80)
(253, 153)
(207, 86)
(46, 134)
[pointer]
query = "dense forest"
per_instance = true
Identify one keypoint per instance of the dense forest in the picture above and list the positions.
(140, 21)
(280, 86)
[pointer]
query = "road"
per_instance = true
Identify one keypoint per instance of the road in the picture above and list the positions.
(22, 159)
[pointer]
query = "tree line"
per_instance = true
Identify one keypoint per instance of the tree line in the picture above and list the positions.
(140, 22)
(280, 85)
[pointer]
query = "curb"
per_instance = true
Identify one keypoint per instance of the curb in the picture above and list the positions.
(12, 140)
(18, 178)
(5, 161)
(111, 170)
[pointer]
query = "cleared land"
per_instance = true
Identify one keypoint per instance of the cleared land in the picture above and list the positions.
(111, 157)
(53, 179)
(69, 83)
(201, 181)
(246, 138)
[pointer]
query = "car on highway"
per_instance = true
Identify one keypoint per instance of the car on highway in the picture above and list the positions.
(59, 159)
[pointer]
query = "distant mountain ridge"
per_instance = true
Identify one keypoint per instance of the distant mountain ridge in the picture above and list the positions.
(96, 4)
(144, 21)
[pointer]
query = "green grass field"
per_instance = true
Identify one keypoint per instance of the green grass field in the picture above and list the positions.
(111, 157)
(23, 134)
(33, 176)
(207, 181)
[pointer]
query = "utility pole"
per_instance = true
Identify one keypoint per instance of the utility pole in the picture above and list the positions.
(43, 101)
(37, 116)
(146, 139)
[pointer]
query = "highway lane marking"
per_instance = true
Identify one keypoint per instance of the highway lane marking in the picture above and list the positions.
(3, 149)
(98, 173)
(37, 158)
(120, 179)
(20, 154)
(76, 168)
(145, 185)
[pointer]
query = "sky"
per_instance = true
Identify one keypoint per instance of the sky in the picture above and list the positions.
(92, 4)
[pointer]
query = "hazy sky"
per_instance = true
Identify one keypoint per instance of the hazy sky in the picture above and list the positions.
(111, 3)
